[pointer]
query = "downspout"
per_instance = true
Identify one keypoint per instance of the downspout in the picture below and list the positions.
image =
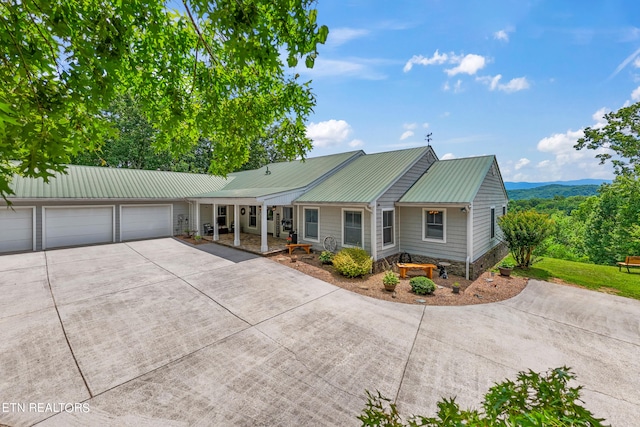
(371, 208)
(469, 239)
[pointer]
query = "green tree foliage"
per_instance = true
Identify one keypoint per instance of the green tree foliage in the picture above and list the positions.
(621, 135)
(523, 232)
(612, 222)
(553, 191)
(534, 399)
(548, 205)
(212, 71)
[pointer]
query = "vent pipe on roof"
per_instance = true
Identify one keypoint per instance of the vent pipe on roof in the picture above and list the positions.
(267, 172)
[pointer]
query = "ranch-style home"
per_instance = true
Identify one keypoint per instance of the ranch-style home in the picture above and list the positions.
(391, 203)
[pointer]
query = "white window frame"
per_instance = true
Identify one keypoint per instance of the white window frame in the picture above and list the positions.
(492, 222)
(249, 217)
(444, 225)
(304, 223)
(393, 229)
(344, 244)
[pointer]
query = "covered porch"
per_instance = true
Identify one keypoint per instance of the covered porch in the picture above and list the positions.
(251, 243)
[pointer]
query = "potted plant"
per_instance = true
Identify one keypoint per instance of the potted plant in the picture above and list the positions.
(456, 288)
(325, 257)
(506, 268)
(390, 281)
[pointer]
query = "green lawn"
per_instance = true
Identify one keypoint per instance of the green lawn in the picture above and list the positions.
(597, 277)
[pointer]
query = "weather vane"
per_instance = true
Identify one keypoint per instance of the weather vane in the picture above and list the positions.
(428, 138)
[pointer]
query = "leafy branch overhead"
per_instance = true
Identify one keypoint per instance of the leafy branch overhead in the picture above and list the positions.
(620, 135)
(210, 69)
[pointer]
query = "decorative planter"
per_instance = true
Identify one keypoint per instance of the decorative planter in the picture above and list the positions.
(456, 289)
(389, 287)
(505, 271)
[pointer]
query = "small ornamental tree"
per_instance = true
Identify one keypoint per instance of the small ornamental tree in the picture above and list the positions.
(523, 232)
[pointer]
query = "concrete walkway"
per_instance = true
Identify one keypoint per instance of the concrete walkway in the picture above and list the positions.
(157, 333)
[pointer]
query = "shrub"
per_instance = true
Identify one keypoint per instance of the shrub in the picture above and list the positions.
(325, 257)
(524, 232)
(352, 262)
(390, 278)
(540, 399)
(422, 285)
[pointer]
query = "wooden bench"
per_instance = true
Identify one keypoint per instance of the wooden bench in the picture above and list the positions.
(629, 262)
(404, 267)
(305, 246)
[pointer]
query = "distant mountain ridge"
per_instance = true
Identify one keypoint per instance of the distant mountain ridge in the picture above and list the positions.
(526, 185)
(553, 190)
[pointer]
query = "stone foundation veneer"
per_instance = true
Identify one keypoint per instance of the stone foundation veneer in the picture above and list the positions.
(457, 268)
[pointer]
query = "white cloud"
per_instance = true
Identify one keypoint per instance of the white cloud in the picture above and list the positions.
(448, 156)
(501, 35)
(521, 163)
(513, 85)
(356, 143)
(446, 87)
(569, 163)
(340, 36)
(469, 64)
(635, 95)
(436, 58)
(457, 87)
(410, 126)
(636, 62)
(425, 125)
(406, 134)
(598, 117)
(329, 133)
(633, 57)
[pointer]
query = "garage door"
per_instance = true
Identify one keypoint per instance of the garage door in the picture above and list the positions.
(77, 226)
(145, 222)
(16, 229)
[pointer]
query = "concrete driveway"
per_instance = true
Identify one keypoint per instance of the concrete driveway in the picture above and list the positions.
(158, 333)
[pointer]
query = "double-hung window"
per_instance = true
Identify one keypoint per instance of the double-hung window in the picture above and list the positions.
(352, 232)
(388, 228)
(434, 225)
(311, 224)
(493, 222)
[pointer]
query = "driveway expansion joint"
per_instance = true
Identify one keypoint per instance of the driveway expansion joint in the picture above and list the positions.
(64, 331)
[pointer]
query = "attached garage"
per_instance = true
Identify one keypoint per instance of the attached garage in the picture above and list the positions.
(78, 225)
(17, 225)
(145, 221)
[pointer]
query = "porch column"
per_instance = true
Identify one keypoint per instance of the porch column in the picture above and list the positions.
(214, 215)
(264, 246)
(236, 225)
(197, 217)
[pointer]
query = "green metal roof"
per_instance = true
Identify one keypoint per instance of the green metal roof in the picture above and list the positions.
(90, 182)
(365, 179)
(281, 177)
(450, 181)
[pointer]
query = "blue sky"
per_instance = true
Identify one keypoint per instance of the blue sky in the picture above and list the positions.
(518, 79)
